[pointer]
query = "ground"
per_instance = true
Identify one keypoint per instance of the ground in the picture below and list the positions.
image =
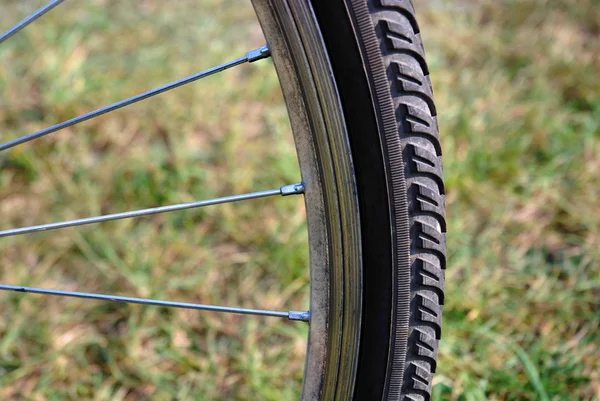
(517, 87)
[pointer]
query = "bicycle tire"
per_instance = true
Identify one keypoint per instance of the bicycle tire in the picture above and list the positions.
(377, 325)
(387, 39)
(378, 60)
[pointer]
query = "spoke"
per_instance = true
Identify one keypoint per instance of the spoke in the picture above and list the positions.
(291, 315)
(251, 56)
(284, 190)
(29, 19)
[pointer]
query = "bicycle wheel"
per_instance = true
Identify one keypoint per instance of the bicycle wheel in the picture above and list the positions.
(360, 103)
(357, 87)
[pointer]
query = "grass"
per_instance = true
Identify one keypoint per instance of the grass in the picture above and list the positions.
(517, 85)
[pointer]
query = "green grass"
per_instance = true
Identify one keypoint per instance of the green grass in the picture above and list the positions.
(517, 86)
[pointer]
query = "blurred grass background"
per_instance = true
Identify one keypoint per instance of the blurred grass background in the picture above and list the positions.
(518, 86)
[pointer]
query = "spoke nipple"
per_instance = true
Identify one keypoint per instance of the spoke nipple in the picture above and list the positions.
(292, 189)
(299, 315)
(258, 54)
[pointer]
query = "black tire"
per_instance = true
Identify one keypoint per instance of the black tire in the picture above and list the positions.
(386, 94)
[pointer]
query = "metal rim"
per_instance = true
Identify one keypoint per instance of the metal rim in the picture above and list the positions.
(331, 202)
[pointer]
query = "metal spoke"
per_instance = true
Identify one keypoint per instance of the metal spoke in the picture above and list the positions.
(284, 190)
(291, 315)
(251, 56)
(29, 19)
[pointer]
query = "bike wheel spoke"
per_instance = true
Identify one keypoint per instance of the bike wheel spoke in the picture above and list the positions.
(284, 191)
(291, 315)
(29, 19)
(251, 56)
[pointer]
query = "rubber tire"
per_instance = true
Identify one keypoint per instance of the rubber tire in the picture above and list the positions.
(378, 60)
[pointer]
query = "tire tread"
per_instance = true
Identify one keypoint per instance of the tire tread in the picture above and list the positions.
(408, 75)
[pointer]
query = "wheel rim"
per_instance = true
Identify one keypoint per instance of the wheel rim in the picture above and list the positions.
(331, 204)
